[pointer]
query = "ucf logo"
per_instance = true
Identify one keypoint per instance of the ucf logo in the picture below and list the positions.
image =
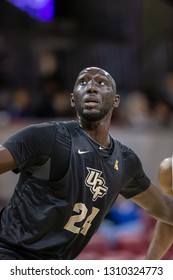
(96, 183)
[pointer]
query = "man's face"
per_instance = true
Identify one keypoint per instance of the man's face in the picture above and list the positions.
(94, 94)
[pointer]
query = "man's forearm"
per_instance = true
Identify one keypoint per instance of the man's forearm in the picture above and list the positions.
(161, 241)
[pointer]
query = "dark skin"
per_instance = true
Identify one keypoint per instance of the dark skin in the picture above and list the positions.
(7, 162)
(95, 97)
(162, 238)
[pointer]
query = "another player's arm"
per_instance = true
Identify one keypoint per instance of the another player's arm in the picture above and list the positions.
(163, 233)
(7, 162)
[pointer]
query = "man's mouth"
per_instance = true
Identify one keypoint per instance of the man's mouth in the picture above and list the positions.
(91, 101)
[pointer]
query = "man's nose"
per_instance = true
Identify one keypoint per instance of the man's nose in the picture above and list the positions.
(92, 88)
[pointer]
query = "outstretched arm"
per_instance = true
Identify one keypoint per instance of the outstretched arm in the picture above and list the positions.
(161, 241)
(156, 203)
(7, 162)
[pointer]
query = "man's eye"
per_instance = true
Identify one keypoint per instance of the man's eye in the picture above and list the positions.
(102, 83)
(83, 82)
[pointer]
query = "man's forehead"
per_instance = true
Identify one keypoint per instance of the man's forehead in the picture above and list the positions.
(94, 71)
(97, 71)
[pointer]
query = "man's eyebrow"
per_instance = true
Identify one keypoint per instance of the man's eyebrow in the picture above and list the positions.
(103, 76)
(86, 74)
(83, 75)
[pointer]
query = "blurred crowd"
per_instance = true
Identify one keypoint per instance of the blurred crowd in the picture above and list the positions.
(138, 108)
(21, 103)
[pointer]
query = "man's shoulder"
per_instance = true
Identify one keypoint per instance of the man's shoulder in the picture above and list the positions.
(64, 127)
(129, 156)
(126, 150)
(64, 124)
(49, 128)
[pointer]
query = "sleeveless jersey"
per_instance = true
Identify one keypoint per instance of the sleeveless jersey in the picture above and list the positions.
(67, 185)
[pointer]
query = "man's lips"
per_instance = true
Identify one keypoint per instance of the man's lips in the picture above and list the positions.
(91, 102)
(91, 98)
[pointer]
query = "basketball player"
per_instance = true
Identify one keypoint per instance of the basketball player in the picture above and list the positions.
(163, 233)
(70, 175)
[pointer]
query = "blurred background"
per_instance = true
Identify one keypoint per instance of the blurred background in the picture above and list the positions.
(43, 46)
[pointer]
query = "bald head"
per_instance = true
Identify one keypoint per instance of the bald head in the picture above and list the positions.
(165, 175)
(96, 70)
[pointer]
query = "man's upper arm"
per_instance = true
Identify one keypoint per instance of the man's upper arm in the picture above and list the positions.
(7, 162)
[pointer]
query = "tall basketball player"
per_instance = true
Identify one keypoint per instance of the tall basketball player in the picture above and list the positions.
(70, 175)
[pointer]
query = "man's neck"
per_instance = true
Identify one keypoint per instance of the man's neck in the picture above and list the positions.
(98, 131)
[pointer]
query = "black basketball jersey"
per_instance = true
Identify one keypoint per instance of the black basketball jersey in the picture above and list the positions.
(67, 185)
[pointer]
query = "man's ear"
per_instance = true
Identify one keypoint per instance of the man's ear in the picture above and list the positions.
(116, 101)
(72, 100)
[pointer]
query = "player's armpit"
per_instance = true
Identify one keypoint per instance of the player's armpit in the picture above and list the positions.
(7, 162)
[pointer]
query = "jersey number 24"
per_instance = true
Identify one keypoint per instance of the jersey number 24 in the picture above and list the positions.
(81, 210)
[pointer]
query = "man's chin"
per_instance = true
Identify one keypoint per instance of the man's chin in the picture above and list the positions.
(91, 117)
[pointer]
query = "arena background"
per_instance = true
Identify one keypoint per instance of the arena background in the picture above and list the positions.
(40, 56)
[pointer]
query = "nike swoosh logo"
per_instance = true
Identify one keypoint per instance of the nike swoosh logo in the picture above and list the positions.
(101, 148)
(82, 152)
